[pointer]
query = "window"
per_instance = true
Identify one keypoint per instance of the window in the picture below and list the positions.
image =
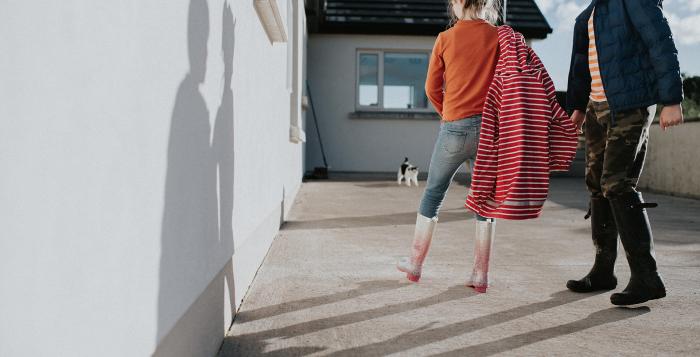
(369, 80)
(392, 80)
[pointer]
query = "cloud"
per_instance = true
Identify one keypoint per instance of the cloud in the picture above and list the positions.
(692, 5)
(683, 16)
(566, 13)
(561, 13)
(546, 5)
(685, 29)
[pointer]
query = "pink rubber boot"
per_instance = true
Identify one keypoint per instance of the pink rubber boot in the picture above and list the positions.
(413, 265)
(483, 245)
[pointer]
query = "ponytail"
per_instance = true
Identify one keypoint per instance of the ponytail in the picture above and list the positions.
(487, 10)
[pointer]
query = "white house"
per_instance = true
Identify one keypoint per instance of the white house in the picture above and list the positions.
(149, 151)
(367, 66)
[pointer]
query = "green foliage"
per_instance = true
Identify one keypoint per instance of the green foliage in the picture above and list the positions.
(691, 91)
(691, 108)
(691, 87)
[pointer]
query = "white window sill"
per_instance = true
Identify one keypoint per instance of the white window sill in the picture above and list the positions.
(386, 114)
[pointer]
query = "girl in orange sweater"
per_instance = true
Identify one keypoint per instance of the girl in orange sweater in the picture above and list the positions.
(461, 69)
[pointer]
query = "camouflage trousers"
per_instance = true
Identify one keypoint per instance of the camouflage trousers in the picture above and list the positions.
(615, 153)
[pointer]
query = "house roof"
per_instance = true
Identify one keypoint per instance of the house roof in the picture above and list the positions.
(410, 17)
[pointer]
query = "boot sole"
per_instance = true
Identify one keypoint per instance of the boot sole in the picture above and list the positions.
(478, 289)
(659, 295)
(413, 278)
(570, 285)
(409, 275)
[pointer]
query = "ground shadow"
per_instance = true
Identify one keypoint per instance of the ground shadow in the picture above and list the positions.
(569, 192)
(460, 178)
(254, 343)
(513, 342)
(259, 350)
(424, 336)
(393, 219)
(363, 288)
(676, 220)
(678, 225)
(196, 232)
(386, 184)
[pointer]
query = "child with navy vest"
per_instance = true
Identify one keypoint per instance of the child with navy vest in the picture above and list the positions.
(624, 62)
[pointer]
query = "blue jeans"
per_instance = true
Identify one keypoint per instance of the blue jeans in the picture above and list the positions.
(456, 143)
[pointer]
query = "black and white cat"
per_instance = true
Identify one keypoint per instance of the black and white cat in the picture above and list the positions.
(408, 172)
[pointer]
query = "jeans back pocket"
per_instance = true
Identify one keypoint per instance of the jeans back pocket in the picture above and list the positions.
(453, 141)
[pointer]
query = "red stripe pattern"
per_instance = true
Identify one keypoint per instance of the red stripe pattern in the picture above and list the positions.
(525, 134)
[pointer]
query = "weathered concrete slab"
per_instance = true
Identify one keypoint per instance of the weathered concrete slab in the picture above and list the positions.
(329, 285)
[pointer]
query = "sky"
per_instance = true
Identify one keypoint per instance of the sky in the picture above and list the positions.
(555, 50)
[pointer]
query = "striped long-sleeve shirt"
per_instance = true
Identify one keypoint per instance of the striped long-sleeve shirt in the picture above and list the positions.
(525, 134)
(597, 90)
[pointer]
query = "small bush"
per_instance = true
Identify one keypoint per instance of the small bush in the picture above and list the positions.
(691, 108)
(691, 92)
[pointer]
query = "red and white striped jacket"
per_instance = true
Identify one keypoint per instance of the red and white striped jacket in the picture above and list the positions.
(525, 134)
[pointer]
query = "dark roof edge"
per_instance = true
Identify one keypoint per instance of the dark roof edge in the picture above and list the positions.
(416, 30)
(392, 24)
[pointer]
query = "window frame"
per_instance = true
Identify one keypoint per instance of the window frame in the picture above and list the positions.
(380, 80)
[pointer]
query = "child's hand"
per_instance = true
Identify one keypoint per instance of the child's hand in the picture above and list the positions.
(578, 117)
(671, 115)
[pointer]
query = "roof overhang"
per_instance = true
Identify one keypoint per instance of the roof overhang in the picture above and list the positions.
(410, 17)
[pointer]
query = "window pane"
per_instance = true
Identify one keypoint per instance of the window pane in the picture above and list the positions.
(369, 77)
(404, 80)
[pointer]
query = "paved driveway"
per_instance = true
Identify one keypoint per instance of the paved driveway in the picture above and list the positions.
(329, 286)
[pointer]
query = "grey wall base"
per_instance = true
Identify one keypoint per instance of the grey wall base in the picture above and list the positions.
(200, 331)
(577, 170)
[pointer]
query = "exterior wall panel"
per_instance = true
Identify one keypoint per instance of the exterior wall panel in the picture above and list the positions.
(139, 195)
(367, 144)
(672, 166)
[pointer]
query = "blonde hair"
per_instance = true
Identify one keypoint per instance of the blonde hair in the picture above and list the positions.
(488, 10)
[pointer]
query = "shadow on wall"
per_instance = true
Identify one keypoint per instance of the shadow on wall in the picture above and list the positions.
(197, 234)
(223, 149)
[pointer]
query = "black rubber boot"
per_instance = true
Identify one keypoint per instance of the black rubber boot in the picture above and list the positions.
(604, 233)
(635, 233)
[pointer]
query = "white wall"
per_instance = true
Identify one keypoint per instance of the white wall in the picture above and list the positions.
(672, 164)
(363, 145)
(121, 160)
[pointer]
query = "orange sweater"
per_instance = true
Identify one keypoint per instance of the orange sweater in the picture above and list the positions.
(463, 62)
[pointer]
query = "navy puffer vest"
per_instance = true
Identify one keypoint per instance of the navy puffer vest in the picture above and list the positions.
(636, 54)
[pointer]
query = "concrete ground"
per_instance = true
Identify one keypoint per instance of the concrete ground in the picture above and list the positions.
(329, 285)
